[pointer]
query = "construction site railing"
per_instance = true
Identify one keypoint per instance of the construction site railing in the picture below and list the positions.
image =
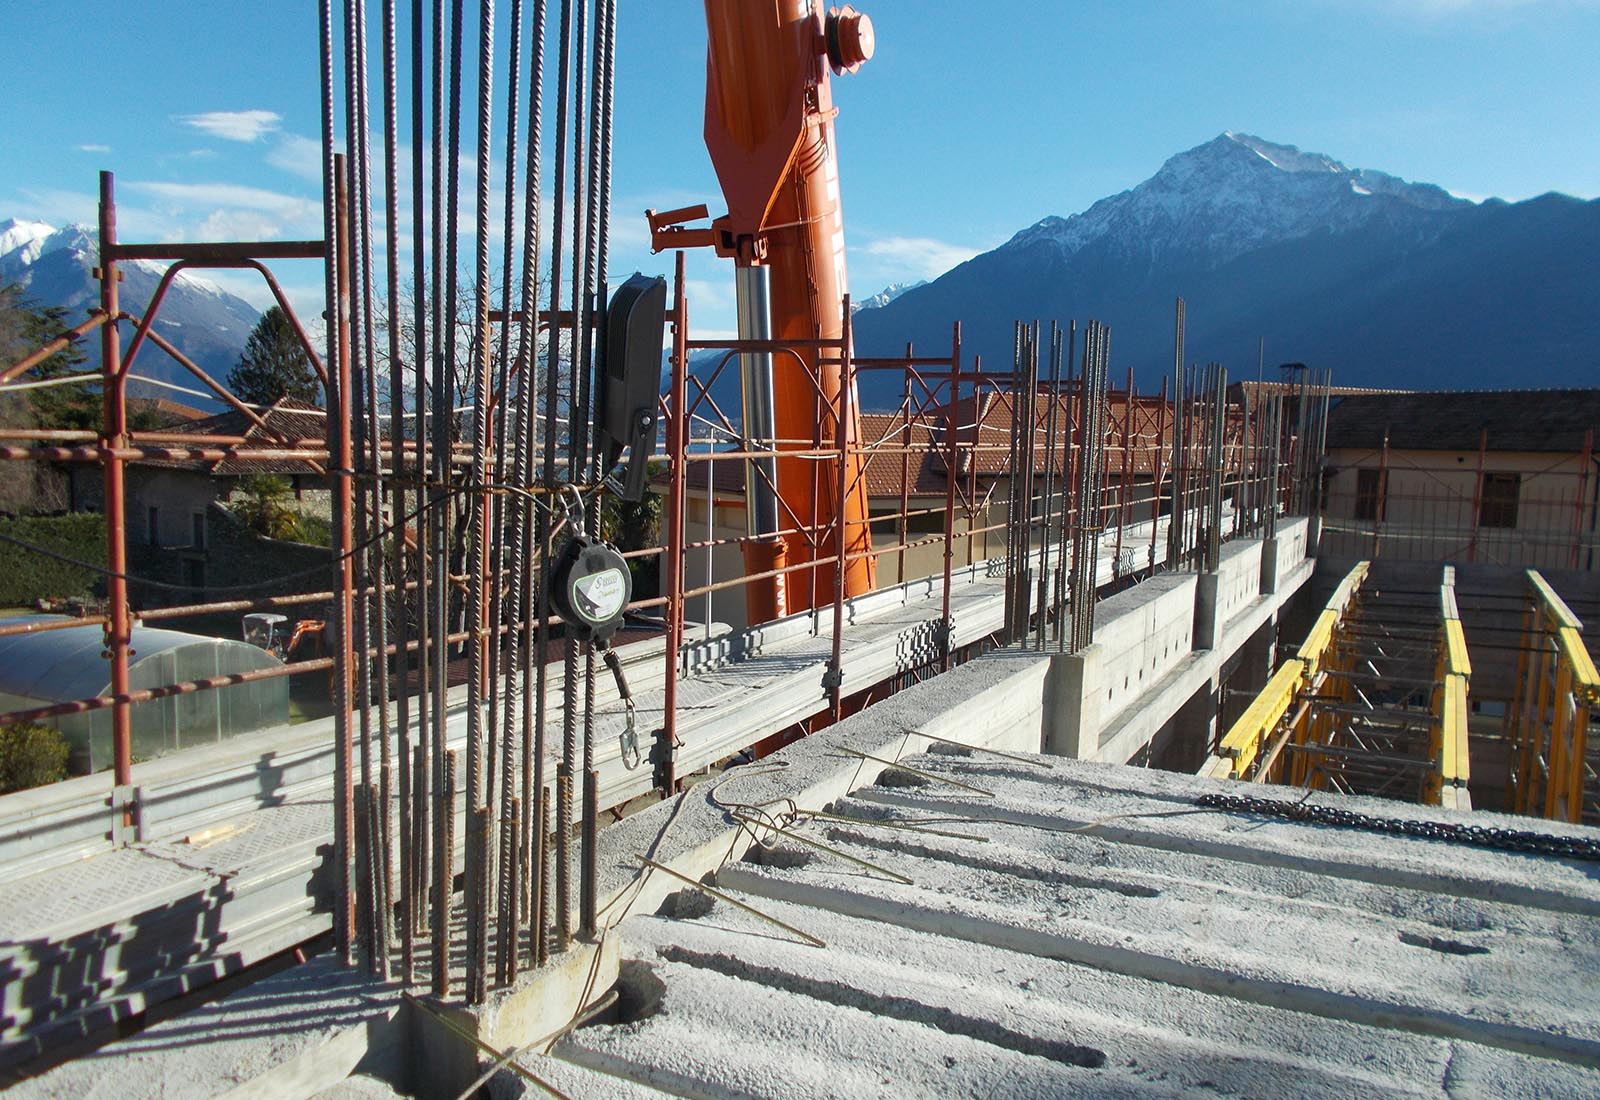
(1272, 715)
(1547, 724)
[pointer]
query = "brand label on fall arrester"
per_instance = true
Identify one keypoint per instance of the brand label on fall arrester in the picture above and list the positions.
(600, 596)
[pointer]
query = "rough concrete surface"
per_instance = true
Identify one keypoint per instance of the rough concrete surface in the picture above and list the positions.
(284, 1037)
(1089, 932)
(359, 1086)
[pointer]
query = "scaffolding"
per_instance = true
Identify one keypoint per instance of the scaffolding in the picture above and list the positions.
(1373, 702)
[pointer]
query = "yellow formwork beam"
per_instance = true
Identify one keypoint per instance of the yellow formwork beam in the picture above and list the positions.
(1548, 722)
(1553, 607)
(1455, 764)
(1452, 763)
(1457, 663)
(1242, 742)
(1315, 647)
(1317, 642)
(1585, 680)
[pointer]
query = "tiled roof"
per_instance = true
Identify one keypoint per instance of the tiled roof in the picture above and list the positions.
(164, 411)
(1246, 392)
(1144, 421)
(288, 421)
(1510, 420)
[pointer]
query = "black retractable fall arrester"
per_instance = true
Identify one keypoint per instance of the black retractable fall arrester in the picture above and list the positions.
(590, 584)
(589, 587)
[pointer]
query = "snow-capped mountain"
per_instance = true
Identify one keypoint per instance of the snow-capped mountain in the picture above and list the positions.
(1232, 195)
(884, 296)
(1388, 282)
(202, 320)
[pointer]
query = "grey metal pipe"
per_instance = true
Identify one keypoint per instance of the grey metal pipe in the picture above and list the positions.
(753, 298)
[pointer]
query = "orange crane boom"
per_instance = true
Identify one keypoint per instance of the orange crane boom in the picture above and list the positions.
(769, 130)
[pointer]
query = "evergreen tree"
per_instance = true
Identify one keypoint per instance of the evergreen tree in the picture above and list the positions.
(25, 325)
(274, 364)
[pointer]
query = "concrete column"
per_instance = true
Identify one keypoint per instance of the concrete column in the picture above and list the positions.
(1194, 730)
(1269, 566)
(1072, 704)
(1207, 627)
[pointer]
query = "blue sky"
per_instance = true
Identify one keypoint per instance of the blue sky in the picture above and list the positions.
(973, 121)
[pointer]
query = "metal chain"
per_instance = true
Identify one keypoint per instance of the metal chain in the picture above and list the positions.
(1480, 836)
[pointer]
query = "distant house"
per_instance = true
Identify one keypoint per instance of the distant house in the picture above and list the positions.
(170, 502)
(1499, 477)
(907, 464)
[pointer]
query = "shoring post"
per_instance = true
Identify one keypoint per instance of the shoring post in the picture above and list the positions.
(677, 448)
(339, 445)
(952, 423)
(835, 678)
(119, 622)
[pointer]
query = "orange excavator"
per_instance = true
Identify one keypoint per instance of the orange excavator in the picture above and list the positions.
(769, 129)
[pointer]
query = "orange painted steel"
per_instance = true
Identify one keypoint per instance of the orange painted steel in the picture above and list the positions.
(769, 130)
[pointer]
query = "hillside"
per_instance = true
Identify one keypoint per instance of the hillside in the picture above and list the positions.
(1389, 283)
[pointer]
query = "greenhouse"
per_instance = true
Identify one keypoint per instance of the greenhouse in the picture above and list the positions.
(62, 665)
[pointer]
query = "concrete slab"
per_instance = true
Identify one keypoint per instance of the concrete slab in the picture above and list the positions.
(286, 1037)
(1092, 932)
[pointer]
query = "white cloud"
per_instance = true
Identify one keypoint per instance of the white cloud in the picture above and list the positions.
(94, 148)
(234, 125)
(232, 196)
(55, 206)
(238, 225)
(299, 156)
(919, 257)
(226, 211)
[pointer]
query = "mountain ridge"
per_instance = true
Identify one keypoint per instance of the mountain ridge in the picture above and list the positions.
(1389, 282)
(207, 323)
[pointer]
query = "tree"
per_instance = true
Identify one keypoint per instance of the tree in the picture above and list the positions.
(262, 505)
(26, 326)
(31, 756)
(274, 365)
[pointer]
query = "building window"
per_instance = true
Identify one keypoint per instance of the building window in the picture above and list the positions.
(197, 530)
(1372, 486)
(152, 526)
(194, 573)
(1498, 508)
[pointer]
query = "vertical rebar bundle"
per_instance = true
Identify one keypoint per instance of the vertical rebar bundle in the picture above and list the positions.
(1090, 489)
(448, 396)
